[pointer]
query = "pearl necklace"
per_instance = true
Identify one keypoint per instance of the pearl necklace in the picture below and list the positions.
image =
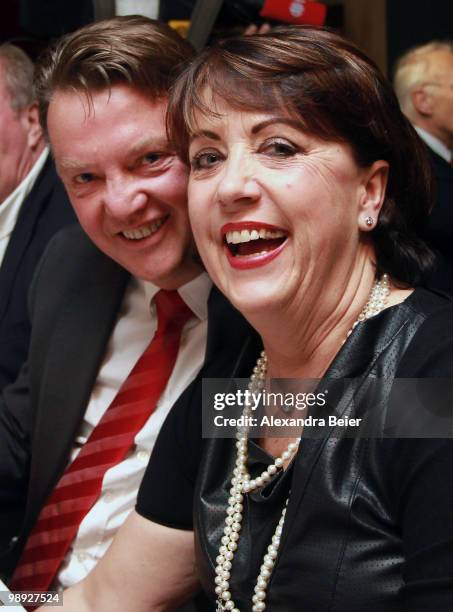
(241, 482)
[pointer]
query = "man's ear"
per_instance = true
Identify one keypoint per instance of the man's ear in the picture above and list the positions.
(375, 184)
(30, 121)
(422, 101)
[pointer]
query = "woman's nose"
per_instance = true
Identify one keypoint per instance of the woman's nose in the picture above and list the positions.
(238, 184)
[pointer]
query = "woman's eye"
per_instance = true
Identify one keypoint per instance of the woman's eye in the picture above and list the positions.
(84, 178)
(279, 148)
(203, 160)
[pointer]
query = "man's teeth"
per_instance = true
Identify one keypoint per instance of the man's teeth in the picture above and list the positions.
(144, 231)
(248, 235)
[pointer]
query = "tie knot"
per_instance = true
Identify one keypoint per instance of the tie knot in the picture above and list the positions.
(172, 311)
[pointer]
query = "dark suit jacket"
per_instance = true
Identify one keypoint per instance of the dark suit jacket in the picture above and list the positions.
(74, 301)
(440, 227)
(45, 210)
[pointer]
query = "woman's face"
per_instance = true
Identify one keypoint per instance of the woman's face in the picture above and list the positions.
(276, 212)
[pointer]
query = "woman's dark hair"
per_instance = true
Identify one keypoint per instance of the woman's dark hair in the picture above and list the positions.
(337, 93)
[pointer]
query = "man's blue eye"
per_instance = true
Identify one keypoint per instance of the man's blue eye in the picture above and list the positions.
(152, 158)
(83, 178)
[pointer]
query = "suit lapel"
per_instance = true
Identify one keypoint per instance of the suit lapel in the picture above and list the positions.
(442, 169)
(23, 231)
(76, 349)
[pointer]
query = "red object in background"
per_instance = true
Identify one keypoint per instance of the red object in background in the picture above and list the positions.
(295, 11)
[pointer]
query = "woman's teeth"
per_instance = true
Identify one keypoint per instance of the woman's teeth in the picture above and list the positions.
(248, 235)
(254, 242)
(144, 231)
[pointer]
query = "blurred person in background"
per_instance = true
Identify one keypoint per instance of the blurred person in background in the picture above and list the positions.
(33, 204)
(423, 83)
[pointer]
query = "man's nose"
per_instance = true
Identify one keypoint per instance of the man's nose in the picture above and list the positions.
(124, 198)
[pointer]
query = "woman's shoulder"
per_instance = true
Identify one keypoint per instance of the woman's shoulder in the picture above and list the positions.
(430, 304)
(430, 352)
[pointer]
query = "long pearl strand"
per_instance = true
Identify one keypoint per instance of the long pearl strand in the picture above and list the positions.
(376, 301)
(241, 483)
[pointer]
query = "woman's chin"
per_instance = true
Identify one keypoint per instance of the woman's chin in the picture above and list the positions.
(255, 299)
(255, 291)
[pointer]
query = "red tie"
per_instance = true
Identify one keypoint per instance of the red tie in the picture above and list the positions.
(109, 442)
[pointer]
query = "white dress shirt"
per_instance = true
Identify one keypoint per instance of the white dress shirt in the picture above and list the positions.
(434, 143)
(132, 333)
(148, 8)
(10, 208)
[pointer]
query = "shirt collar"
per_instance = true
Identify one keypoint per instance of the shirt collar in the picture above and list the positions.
(434, 143)
(194, 293)
(10, 207)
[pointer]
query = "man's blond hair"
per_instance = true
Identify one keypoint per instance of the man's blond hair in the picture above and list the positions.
(133, 50)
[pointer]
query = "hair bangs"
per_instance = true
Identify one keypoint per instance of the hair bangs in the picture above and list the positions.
(198, 92)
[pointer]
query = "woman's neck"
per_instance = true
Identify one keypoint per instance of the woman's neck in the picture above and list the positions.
(302, 339)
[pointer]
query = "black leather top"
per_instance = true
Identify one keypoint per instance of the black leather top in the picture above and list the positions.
(369, 524)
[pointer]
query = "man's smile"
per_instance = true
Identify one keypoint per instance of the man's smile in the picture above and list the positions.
(145, 230)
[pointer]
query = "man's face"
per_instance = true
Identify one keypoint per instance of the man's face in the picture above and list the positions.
(14, 146)
(125, 183)
(440, 89)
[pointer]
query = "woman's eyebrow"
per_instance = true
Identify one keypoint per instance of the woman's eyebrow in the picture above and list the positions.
(205, 134)
(286, 120)
(255, 129)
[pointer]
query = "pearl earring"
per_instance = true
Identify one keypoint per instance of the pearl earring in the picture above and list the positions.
(369, 221)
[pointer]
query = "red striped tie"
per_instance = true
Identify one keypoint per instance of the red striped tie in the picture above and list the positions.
(109, 442)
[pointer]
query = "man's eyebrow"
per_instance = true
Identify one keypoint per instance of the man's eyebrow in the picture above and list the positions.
(147, 144)
(67, 163)
(141, 146)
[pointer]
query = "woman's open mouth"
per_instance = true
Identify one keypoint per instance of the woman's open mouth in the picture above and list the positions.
(250, 244)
